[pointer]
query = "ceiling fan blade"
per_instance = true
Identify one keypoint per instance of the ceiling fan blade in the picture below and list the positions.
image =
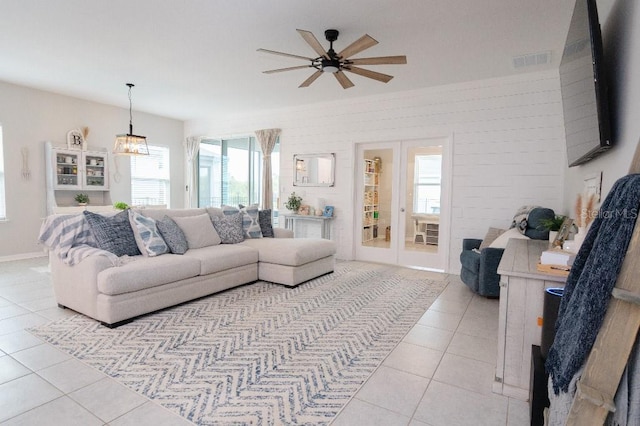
(286, 69)
(311, 79)
(313, 42)
(364, 42)
(343, 80)
(371, 74)
(285, 54)
(380, 60)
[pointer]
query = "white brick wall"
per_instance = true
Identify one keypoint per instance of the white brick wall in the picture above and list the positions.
(508, 146)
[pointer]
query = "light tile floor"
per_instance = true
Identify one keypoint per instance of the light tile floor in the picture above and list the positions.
(440, 374)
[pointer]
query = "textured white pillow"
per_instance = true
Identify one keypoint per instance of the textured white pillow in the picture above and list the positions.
(502, 240)
(198, 230)
(491, 236)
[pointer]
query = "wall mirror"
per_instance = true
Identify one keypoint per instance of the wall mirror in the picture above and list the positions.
(314, 169)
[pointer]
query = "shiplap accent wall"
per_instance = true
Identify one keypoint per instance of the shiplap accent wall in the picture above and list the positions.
(507, 136)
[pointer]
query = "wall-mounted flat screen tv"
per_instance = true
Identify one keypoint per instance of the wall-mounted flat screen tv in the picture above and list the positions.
(584, 87)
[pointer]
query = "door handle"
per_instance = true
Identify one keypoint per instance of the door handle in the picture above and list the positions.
(402, 210)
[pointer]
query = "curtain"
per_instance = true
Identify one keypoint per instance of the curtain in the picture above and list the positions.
(267, 139)
(192, 146)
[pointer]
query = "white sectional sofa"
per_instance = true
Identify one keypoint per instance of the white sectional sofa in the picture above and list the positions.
(114, 291)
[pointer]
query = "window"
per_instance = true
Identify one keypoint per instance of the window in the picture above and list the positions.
(230, 172)
(150, 177)
(3, 209)
(427, 178)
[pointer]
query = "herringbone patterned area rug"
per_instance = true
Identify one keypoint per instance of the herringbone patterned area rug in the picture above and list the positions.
(261, 354)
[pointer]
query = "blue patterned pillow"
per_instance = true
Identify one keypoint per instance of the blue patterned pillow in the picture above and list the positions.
(250, 225)
(264, 218)
(145, 231)
(229, 228)
(113, 234)
(172, 235)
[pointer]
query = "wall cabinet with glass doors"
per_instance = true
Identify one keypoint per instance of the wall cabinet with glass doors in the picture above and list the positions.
(71, 171)
(79, 170)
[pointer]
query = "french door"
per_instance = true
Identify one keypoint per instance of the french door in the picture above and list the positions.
(403, 208)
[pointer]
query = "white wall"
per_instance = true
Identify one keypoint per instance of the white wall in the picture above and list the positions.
(508, 145)
(620, 23)
(29, 117)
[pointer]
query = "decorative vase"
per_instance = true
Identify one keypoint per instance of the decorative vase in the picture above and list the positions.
(575, 244)
(82, 204)
(579, 237)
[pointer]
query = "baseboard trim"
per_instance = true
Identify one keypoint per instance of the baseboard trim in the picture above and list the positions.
(22, 256)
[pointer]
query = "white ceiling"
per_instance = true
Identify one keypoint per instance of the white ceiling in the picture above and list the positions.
(197, 58)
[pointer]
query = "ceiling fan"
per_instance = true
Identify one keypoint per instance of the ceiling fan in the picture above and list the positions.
(335, 63)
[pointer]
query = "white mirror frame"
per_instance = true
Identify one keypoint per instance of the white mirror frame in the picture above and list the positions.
(314, 169)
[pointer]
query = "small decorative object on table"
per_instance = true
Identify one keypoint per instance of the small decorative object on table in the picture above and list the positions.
(328, 211)
(294, 202)
(553, 226)
(586, 212)
(82, 199)
(304, 210)
(563, 232)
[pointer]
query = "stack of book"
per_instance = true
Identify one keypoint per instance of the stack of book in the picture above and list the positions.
(556, 261)
(557, 257)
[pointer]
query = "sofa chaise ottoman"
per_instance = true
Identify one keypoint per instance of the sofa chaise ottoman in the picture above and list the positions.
(114, 290)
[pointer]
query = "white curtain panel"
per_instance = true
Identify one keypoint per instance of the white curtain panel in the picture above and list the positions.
(192, 146)
(267, 139)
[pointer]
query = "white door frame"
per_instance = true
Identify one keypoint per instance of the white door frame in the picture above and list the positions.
(393, 254)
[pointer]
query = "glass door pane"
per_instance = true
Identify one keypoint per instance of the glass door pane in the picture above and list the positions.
(423, 187)
(423, 243)
(376, 201)
(210, 174)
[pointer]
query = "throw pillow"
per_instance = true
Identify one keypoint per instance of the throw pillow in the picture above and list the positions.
(250, 225)
(172, 235)
(145, 231)
(198, 230)
(502, 240)
(492, 234)
(113, 234)
(520, 219)
(229, 228)
(264, 219)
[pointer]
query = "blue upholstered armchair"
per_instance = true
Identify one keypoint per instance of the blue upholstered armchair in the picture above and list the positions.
(480, 267)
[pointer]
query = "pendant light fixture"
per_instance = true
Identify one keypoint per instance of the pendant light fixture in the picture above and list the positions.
(130, 144)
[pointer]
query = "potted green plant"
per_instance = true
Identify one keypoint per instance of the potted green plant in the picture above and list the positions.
(294, 202)
(121, 205)
(552, 225)
(82, 199)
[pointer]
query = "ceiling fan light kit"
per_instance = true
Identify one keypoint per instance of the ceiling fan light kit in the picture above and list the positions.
(335, 63)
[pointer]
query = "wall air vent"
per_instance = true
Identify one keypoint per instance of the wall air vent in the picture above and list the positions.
(541, 58)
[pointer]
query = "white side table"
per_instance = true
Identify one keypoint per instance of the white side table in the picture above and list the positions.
(522, 289)
(324, 222)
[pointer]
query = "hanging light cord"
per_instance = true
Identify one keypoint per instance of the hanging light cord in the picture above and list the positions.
(130, 113)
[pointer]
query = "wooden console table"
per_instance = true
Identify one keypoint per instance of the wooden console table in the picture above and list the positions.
(324, 221)
(522, 289)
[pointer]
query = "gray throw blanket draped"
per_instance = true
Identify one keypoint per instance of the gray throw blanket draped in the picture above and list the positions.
(593, 276)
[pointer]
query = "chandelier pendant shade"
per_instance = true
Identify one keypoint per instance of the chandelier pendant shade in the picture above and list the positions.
(130, 144)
